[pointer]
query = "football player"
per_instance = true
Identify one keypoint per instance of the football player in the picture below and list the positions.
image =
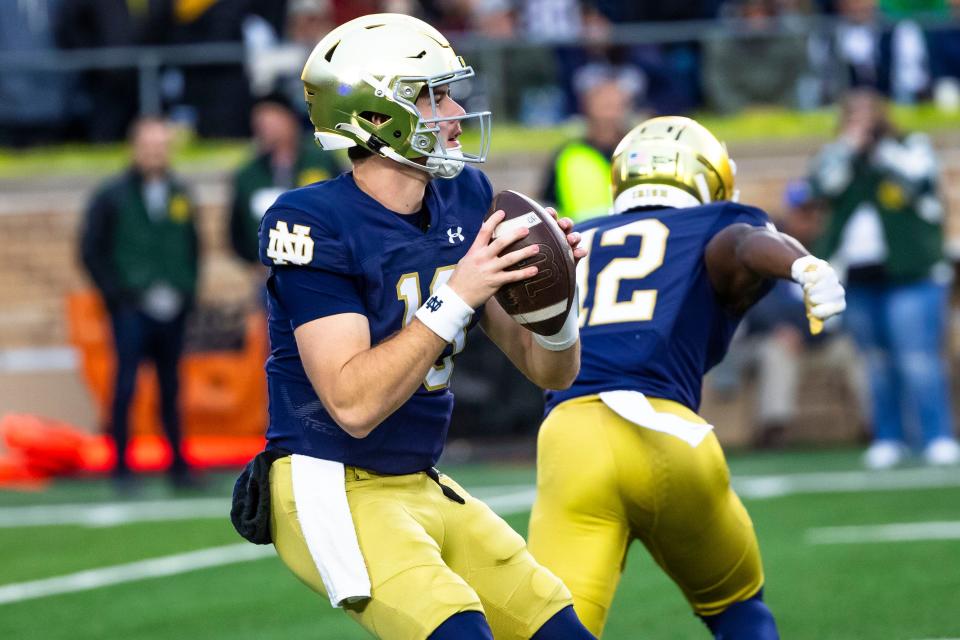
(375, 278)
(622, 454)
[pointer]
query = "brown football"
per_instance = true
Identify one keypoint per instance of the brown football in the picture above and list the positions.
(540, 303)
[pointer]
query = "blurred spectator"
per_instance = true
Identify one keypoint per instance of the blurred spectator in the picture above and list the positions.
(286, 159)
(858, 52)
(886, 229)
(274, 63)
(944, 44)
(33, 104)
(729, 84)
(308, 21)
(577, 181)
(775, 340)
(219, 94)
(673, 68)
(139, 245)
(83, 24)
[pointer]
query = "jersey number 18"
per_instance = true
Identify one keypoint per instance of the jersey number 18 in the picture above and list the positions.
(408, 290)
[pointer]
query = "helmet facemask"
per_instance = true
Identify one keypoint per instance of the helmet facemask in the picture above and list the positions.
(442, 161)
(362, 84)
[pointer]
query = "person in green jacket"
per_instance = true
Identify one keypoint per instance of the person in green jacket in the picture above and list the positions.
(285, 159)
(139, 245)
(886, 231)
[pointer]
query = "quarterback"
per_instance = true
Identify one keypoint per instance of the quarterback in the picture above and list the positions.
(622, 454)
(375, 278)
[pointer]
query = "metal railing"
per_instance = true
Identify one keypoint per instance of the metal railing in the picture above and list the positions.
(494, 54)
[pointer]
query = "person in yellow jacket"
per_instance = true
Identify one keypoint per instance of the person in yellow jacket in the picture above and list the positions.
(577, 181)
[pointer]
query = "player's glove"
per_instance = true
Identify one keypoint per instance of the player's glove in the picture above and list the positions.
(822, 292)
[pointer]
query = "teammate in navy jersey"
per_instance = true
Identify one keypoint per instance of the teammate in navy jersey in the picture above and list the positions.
(375, 278)
(622, 454)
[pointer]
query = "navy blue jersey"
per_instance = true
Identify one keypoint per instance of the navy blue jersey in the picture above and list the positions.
(650, 318)
(334, 249)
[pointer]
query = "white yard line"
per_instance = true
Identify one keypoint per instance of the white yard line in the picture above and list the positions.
(133, 571)
(775, 486)
(514, 499)
(511, 499)
(109, 514)
(892, 532)
(505, 504)
(505, 499)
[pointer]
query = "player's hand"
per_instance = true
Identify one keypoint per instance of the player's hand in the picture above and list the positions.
(480, 273)
(573, 237)
(822, 292)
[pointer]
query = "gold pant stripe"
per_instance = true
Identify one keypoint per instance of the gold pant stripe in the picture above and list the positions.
(603, 482)
(428, 557)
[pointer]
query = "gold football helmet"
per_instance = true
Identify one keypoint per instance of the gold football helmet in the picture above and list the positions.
(362, 82)
(670, 161)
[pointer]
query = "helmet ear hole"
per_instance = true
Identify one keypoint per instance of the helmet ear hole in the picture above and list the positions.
(375, 118)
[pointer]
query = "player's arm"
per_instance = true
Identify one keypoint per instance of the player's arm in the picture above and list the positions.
(550, 362)
(361, 384)
(548, 369)
(741, 257)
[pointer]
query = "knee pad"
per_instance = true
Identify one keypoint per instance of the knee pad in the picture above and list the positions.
(746, 620)
(466, 625)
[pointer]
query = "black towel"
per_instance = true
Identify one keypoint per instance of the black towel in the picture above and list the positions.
(250, 511)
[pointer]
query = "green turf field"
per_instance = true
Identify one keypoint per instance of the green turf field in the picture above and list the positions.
(833, 570)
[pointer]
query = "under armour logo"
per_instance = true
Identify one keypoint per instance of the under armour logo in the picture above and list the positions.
(455, 235)
(296, 247)
(434, 304)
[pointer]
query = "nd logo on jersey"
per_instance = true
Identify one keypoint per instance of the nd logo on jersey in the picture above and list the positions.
(286, 247)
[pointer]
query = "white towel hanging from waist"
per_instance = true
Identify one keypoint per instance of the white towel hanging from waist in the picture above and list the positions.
(634, 406)
(319, 491)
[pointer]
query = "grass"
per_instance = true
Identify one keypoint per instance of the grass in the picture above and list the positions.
(757, 124)
(895, 590)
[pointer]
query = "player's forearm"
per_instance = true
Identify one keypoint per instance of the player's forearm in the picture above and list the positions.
(546, 368)
(769, 253)
(553, 369)
(376, 382)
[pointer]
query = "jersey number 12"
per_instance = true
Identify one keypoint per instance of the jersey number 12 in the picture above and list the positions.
(606, 307)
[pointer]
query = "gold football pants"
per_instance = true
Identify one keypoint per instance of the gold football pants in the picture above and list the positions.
(603, 482)
(428, 557)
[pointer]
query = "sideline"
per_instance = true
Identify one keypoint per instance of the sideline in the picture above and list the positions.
(892, 532)
(505, 499)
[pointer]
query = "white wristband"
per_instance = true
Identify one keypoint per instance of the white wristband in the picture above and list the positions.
(445, 313)
(568, 334)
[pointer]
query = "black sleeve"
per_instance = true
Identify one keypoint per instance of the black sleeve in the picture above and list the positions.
(95, 245)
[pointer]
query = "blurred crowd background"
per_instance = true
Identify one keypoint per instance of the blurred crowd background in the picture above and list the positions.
(81, 69)
(81, 72)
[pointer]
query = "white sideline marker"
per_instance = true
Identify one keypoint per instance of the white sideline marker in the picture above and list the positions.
(133, 571)
(893, 532)
(110, 514)
(776, 486)
(509, 498)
